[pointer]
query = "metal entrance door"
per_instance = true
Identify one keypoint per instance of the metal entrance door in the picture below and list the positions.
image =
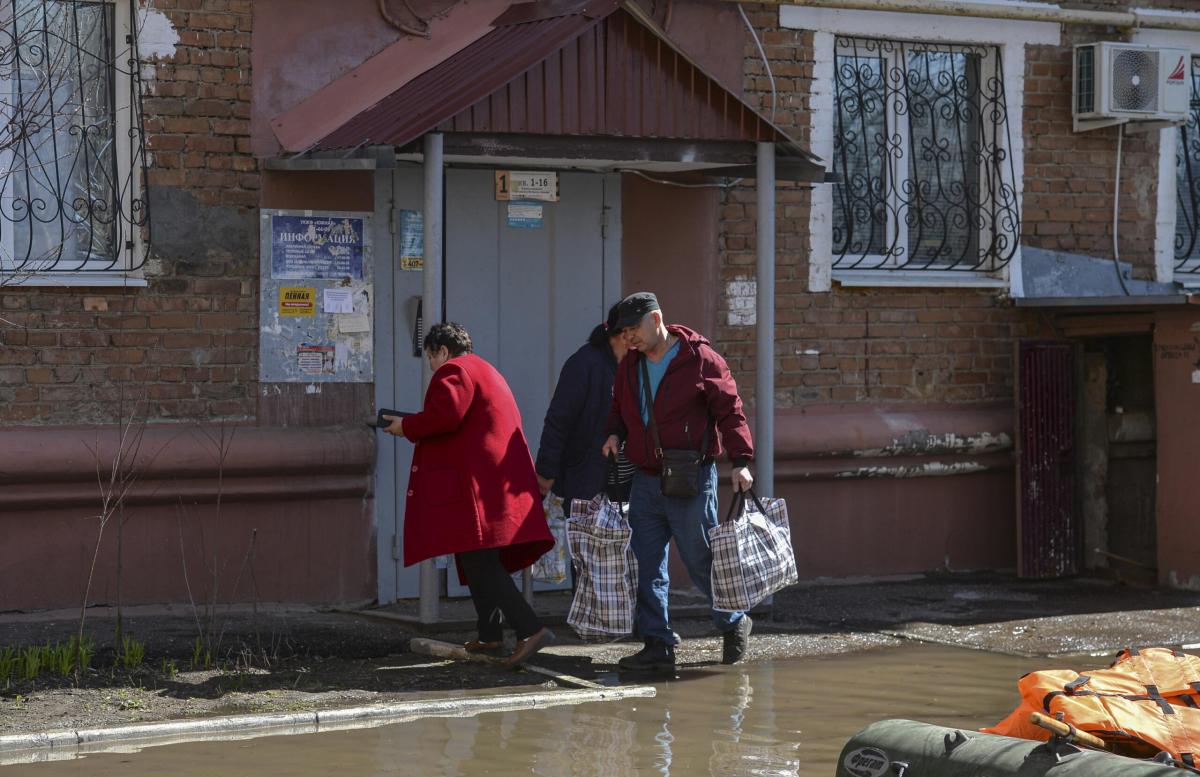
(1048, 531)
(530, 282)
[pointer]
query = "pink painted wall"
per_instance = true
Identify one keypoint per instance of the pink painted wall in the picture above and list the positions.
(270, 551)
(300, 46)
(669, 247)
(294, 523)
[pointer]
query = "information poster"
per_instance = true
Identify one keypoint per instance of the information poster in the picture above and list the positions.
(316, 247)
(316, 298)
(412, 240)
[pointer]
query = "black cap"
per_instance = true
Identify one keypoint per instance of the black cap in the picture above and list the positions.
(633, 308)
(610, 324)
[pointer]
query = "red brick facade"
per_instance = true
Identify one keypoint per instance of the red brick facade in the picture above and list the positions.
(929, 345)
(186, 345)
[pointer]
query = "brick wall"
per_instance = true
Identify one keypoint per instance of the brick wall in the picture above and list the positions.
(926, 345)
(186, 344)
(850, 345)
(1070, 177)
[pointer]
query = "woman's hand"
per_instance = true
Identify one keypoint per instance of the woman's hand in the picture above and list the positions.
(394, 426)
(611, 446)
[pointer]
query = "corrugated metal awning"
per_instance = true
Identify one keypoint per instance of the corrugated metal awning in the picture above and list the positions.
(596, 68)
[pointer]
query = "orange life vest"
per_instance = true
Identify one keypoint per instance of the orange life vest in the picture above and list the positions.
(1147, 702)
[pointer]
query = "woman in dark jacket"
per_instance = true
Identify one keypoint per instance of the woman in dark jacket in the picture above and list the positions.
(569, 461)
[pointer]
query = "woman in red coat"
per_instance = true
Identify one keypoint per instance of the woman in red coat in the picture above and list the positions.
(473, 491)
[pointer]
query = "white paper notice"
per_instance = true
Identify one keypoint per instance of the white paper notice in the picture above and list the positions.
(338, 300)
(359, 322)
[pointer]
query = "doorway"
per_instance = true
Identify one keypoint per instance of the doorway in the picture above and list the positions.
(1119, 463)
(529, 281)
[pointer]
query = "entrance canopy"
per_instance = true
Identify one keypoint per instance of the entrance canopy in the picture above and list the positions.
(596, 79)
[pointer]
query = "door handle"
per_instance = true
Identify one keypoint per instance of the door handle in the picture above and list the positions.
(418, 328)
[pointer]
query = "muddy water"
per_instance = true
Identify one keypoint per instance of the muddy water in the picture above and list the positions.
(780, 718)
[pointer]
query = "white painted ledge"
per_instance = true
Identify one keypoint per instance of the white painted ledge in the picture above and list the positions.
(918, 279)
(72, 280)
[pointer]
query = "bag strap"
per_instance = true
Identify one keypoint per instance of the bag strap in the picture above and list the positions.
(649, 398)
(739, 504)
(658, 449)
(757, 503)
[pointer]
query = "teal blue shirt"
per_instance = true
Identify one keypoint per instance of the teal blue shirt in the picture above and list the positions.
(656, 371)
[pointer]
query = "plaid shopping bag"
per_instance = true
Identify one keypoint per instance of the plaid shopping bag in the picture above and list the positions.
(606, 587)
(752, 553)
(552, 566)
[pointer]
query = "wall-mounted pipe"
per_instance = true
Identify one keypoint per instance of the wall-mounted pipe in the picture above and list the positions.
(1030, 13)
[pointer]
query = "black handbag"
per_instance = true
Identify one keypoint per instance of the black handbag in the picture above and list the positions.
(680, 475)
(617, 478)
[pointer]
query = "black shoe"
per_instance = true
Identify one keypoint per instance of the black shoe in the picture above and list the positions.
(656, 656)
(737, 641)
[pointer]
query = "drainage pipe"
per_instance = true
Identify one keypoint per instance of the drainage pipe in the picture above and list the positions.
(764, 388)
(431, 310)
(1030, 13)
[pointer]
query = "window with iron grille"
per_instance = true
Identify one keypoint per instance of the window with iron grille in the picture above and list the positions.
(1187, 189)
(921, 152)
(72, 202)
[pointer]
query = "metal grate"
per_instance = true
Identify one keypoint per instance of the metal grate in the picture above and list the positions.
(1187, 190)
(1049, 537)
(921, 153)
(1085, 74)
(1135, 81)
(72, 151)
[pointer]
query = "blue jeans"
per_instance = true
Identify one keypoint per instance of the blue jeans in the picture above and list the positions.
(655, 519)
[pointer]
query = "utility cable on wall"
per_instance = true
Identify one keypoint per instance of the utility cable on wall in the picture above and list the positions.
(680, 184)
(763, 54)
(1116, 210)
(422, 31)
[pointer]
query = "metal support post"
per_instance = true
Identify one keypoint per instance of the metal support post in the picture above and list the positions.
(432, 310)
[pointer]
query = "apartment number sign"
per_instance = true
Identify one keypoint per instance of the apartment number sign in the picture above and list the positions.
(526, 185)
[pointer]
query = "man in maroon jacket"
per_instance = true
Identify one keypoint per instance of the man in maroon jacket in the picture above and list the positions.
(695, 406)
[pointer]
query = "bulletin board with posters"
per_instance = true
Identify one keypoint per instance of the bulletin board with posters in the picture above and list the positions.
(315, 297)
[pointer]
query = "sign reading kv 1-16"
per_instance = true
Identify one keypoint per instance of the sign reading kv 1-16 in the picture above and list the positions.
(526, 185)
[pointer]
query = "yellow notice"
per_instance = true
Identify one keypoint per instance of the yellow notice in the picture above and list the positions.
(297, 301)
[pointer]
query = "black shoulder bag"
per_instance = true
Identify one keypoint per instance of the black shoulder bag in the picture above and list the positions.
(680, 467)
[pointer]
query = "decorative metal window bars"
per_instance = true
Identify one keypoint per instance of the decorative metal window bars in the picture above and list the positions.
(1187, 190)
(72, 150)
(921, 152)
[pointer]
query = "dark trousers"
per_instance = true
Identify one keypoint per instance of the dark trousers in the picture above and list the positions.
(493, 592)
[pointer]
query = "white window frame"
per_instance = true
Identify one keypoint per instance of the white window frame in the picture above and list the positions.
(1007, 36)
(1168, 146)
(128, 171)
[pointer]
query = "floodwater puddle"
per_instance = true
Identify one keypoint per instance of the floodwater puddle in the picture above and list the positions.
(786, 717)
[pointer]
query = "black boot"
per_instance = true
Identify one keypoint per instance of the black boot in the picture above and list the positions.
(737, 641)
(656, 656)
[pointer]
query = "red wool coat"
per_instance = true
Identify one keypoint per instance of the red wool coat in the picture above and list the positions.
(472, 484)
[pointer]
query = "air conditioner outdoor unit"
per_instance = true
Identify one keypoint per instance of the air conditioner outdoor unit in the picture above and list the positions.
(1119, 83)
